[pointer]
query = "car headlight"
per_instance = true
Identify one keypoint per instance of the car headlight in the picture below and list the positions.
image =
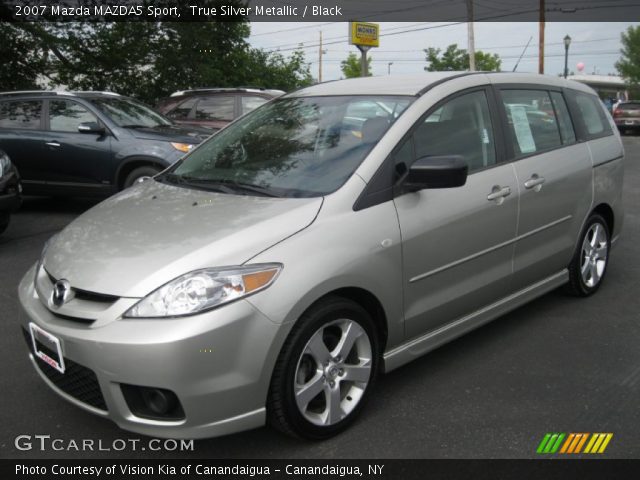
(203, 290)
(182, 147)
(44, 252)
(5, 164)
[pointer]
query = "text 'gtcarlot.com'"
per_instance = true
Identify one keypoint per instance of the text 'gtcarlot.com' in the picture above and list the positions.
(45, 443)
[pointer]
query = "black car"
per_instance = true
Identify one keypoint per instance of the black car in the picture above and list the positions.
(87, 143)
(9, 190)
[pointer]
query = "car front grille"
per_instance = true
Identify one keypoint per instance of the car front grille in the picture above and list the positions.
(77, 381)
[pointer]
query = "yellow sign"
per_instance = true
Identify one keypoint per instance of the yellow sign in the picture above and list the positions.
(364, 34)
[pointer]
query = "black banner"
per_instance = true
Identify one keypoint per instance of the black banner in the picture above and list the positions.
(323, 469)
(321, 10)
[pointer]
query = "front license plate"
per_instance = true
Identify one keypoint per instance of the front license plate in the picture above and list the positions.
(47, 347)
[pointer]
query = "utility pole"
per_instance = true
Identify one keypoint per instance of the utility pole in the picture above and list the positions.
(320, 60)
(541, 39)
(471, 41)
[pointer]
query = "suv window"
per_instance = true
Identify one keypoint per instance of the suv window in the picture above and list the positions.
(592, 114)
(65, 116)
(219, 107)
(181, 112)
(462, 126)
(532, 121)
(23, 114)
(564, 119)
(251, 103)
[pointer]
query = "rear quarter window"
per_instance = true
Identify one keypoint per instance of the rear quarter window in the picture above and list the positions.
(592, 115)
(22, 114)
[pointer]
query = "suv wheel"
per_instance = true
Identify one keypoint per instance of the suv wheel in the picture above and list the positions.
(139, 174)
(589, 264)
(325, 371)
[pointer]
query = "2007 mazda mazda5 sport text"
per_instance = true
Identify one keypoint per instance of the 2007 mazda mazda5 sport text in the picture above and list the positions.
(333, 233)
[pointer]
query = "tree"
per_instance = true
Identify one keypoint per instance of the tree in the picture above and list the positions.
(24, 61)
(352, 67)
(629, 64)
(145, 60)
(457, 59)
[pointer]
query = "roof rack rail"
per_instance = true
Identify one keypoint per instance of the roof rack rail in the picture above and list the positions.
(35, 92)
(224, 89)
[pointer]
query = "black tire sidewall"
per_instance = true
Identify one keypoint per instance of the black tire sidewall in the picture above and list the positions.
(4, 221)
(317, 316)
(576, 274)
(146, 171)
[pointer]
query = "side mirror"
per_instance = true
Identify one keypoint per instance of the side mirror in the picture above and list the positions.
(436, 172)
(91, 127)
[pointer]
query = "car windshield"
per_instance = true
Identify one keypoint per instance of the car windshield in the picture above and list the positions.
(127, 113)
(292, 147)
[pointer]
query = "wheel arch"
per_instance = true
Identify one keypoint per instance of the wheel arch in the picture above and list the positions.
(605, 210)
(129, 164)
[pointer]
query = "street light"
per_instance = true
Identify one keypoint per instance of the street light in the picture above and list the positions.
(389, 68)
(567, 42)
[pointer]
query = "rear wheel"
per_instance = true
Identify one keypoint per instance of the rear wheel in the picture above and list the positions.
(589, 264)
(325, 371)
(139, 174)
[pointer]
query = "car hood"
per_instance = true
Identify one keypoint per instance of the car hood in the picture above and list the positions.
(172, 133)
(149, 234)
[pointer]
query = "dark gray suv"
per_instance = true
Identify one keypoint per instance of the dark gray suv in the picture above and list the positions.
(87, 143)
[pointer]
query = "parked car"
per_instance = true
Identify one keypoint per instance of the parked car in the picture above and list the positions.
(87, 143)
(627, 117)
(284, 263)
(10, 190)
(214, 108)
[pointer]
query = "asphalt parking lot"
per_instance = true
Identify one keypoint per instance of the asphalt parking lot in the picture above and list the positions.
(558, 364)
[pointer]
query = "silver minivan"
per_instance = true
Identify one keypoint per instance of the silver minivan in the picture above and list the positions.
(332, 234)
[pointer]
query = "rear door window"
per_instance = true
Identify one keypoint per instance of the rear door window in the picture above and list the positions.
(65, 116)
(218, 107)
(23, 114)
(564, 119)
(531, 121)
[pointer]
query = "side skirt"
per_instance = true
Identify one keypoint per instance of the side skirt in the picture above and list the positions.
(419, 346)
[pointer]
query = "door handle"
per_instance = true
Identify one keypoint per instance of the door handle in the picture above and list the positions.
(534, 182)
(498, 193)
(52, 144)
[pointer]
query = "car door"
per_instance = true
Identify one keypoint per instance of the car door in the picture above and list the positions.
(457, 243)
(554, 176)
(22, 137)
(74, 158)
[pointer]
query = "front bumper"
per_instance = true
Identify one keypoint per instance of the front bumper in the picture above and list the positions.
(218, 363)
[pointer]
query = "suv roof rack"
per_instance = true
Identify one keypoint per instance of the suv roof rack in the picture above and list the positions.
(35, 92)
(224, 89)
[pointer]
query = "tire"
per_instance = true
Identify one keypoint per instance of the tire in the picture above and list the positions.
(305, 366)
(139, 173)
(591, 258)
(4, 221)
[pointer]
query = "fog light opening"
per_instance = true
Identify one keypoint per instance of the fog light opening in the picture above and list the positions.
(152, 402)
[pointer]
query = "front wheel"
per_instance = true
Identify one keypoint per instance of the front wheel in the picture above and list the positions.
(139, 174)
(589, 264)
(325, 370)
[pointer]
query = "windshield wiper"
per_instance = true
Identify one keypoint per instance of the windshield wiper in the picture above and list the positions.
(135, 126)
(224, 186)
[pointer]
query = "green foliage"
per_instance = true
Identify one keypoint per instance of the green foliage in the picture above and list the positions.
(629, 64)
(352, 68)
(145, 60)
(24, 61)
(457, 59)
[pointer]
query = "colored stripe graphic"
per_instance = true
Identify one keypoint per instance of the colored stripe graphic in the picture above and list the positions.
(573, 443)
(550, 443)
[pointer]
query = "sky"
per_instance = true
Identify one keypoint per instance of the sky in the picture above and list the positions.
(597, 45)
